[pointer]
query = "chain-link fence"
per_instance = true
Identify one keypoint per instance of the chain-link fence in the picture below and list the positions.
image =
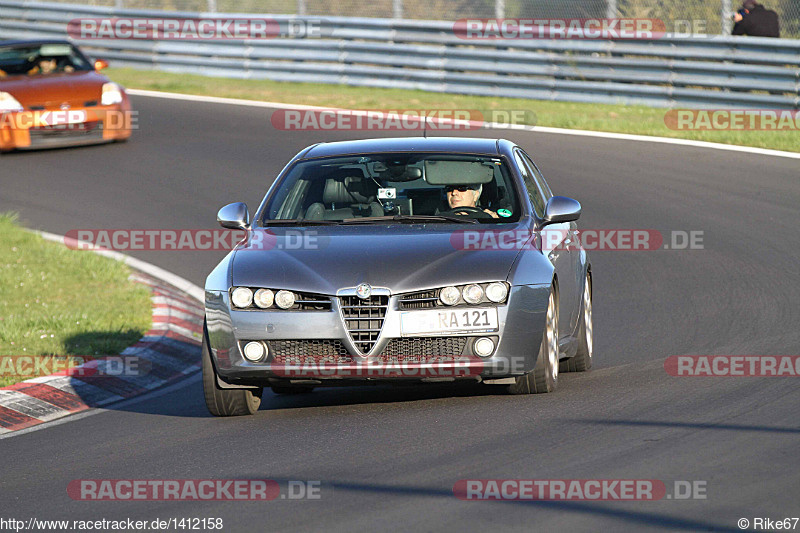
(714, 16)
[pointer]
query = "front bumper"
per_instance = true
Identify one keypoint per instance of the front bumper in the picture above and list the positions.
(55, 128)
(316, 345)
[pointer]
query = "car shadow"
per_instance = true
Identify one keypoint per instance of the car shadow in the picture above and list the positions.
(185, 398)
(447, 494)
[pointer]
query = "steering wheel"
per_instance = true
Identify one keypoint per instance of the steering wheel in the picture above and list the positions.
(467, 210)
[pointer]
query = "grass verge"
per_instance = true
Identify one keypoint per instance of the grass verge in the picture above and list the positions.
(57, 301)
(638, 120)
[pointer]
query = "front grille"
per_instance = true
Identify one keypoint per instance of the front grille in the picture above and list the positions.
(314, 351)
(423, 349)
(420, 299)
(364, 319)
(53, 135)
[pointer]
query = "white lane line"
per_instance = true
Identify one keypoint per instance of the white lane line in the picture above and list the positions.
(491, 125)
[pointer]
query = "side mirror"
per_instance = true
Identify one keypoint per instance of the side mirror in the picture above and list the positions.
(234, 216)
(561, 209)
(100, 64)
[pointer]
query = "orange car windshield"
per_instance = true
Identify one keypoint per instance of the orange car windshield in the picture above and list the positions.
(41, 59)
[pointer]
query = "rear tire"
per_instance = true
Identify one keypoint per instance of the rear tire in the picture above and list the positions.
(225, 402)
(582, 360)
(544, 376)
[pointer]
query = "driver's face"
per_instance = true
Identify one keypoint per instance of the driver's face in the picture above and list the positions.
(47, 65)
(461, 197)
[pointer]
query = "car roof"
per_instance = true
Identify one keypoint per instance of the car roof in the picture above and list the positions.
(26, 42)
(404, 144)
(31, 42)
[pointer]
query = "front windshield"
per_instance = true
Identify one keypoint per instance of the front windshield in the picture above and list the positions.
(41, 59)
(385, 187)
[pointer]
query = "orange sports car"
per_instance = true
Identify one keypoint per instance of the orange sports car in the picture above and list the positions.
(51, 95)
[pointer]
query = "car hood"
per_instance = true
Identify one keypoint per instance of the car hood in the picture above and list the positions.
(402, 258)
(52, 90)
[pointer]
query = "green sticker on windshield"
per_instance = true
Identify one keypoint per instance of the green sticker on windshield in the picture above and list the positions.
(504, 212)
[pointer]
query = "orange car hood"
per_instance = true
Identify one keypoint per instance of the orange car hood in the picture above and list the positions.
(52, 90)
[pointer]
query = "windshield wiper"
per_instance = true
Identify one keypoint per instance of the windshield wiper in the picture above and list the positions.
(410, 218)
(299, 222)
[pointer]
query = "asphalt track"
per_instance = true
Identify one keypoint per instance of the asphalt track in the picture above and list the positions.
(388, 458)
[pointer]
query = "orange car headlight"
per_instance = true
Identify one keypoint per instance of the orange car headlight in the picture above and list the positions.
(9, 103)
(112, 94)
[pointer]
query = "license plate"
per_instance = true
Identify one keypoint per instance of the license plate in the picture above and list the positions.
(448, 321)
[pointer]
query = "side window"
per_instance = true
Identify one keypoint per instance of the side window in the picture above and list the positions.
(530, 184)
(537, 175)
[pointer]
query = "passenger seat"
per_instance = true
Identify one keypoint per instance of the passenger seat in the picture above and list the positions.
(346, 197)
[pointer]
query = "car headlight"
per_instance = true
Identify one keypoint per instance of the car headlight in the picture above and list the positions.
(242, 297)
(284, 299)
(9, 103)
(112, 94)
(472, 294)
(264, 298)
(449, 295)
(496, 292)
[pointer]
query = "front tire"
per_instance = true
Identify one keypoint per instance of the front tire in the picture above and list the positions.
(225, 402)
(544, 376)
(582, 360)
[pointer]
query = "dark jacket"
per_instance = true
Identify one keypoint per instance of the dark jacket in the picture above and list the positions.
(759, 22)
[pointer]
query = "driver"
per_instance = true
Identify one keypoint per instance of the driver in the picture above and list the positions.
(465, 196)
(47, 66)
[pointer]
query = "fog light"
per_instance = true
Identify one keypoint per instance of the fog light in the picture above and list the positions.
(242, 297)
(449, 295)
(284, 299)
(483, 347)
(254, 351)
(496, 292)
(472, 294)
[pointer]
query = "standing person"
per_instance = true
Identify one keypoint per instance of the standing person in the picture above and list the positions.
(754, 19)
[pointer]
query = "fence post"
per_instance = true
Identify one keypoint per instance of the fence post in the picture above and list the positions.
(611, 9)
(727, 23)
(397, 9)
(301, 8)
(212, 6)
(499, 9)
(118, 4)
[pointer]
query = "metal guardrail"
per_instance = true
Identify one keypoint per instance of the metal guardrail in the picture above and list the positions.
(741, 72)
